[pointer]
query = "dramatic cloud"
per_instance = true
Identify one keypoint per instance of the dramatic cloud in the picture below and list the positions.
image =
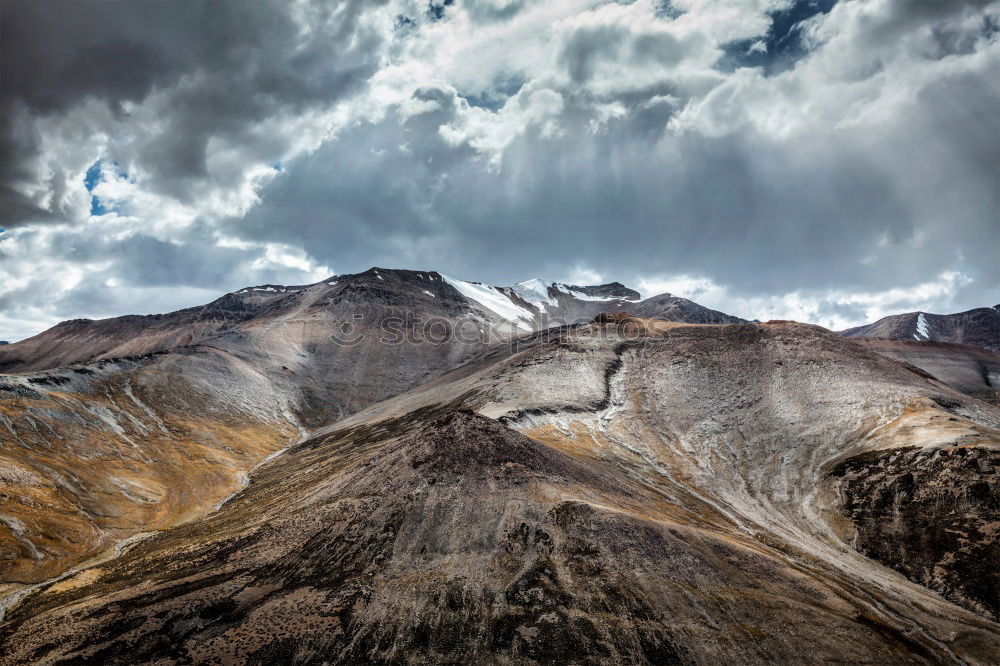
(828, 161)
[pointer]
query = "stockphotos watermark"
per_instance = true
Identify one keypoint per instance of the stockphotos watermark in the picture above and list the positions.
(411, 329)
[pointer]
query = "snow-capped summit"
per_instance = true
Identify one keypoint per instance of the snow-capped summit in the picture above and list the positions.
(535, 291)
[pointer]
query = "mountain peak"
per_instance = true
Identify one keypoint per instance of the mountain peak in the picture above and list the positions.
(978, 328)
(606, 291)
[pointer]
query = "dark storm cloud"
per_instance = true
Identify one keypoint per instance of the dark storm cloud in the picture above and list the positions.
(591, 45)
(733, 207)
(329, 198)
(489, 13)
(902, 15)
(759, 215)
(232, 64)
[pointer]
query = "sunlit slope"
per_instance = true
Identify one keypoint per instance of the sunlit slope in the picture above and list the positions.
(93, 454)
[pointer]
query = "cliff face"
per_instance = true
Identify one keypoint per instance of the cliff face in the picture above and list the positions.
(650, 493)
(930, 514)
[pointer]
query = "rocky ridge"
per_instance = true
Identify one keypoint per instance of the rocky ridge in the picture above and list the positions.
(500, 313)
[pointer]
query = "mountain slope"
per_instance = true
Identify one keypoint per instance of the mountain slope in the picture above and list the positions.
(97, 452)
(94, 454)
(157, 428)
(978, 328)
(631, 492)
(331, 303)
(379, 297)
(971, 370)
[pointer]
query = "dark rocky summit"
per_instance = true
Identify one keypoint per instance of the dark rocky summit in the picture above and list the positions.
(675, 308)
(610, 290)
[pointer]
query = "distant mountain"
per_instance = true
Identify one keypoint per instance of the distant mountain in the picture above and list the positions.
(978, 328)
(370, 300)
(543, 304)
(675, 308)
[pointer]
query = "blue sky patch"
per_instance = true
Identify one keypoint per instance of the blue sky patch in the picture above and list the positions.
(782, 45)
(494, 98)
(90, 181)
(666, 10)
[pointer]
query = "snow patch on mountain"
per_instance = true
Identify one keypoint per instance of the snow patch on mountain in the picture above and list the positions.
(923, 333)
(534, 291)
(495, 301)
(537, 292)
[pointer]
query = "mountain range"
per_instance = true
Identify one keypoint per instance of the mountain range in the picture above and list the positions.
(227, 383)
(402, 467)
(377, 295)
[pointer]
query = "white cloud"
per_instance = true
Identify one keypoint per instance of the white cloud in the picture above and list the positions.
(581, 275)
(835, 309)
(280, 257)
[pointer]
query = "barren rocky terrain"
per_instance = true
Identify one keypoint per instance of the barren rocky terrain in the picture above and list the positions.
(157, 419)
(971, 370)
(384, 304)
(632, 491)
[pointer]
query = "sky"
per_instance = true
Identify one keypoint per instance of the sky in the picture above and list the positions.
(820, 160)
